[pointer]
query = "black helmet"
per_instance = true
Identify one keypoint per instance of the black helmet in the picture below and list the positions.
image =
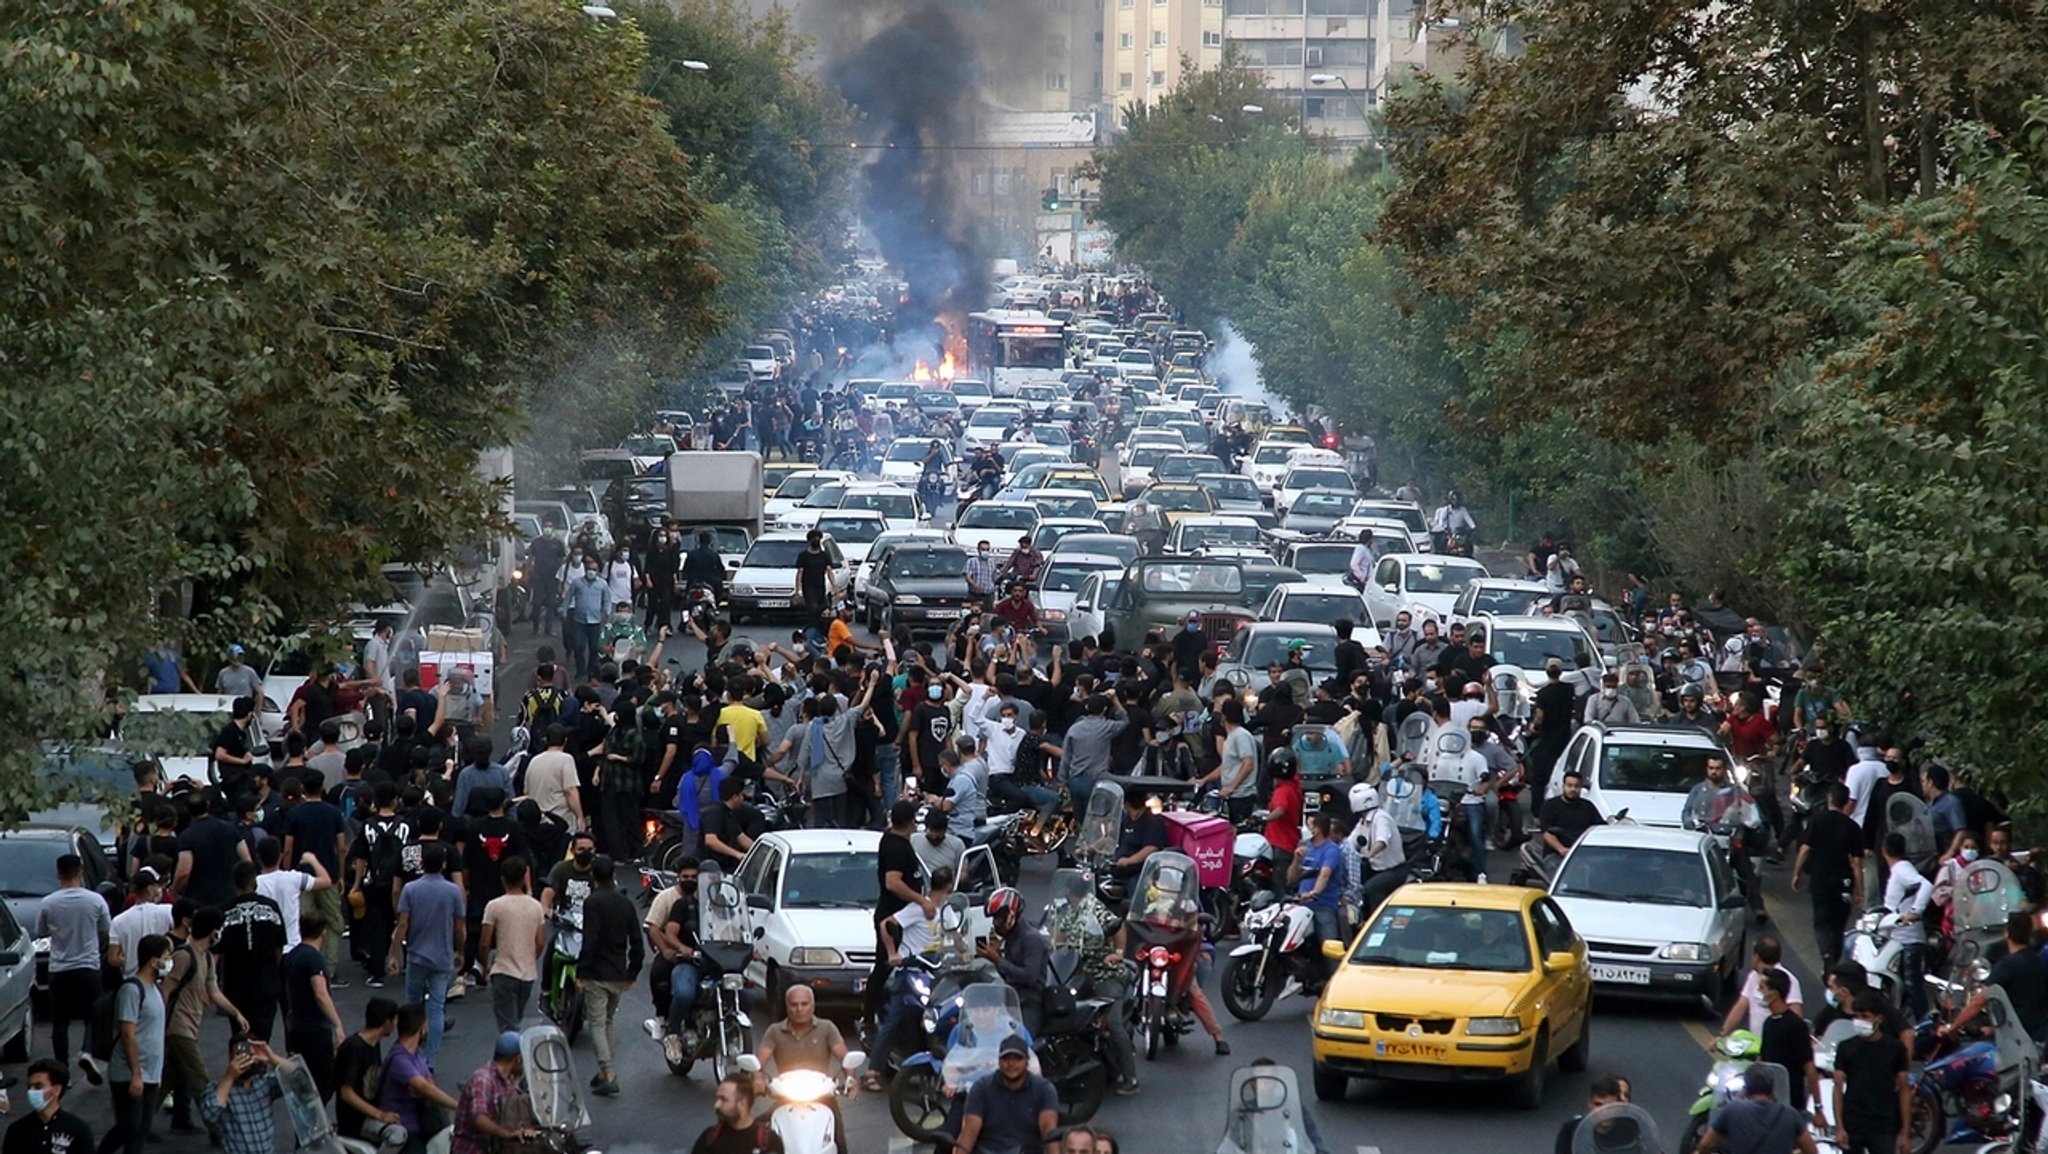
(1669, 654)
(1455, 496)
(1281, 764)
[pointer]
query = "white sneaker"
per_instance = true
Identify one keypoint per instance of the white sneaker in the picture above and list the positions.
(654, 1028)
(1290, 987)
(1480, 880)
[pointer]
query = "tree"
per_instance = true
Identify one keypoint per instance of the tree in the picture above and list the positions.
(273, 277)
(1922, 447)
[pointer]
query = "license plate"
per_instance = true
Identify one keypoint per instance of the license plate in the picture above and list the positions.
(1625, 975)
(1407, 1048)
(777, 602)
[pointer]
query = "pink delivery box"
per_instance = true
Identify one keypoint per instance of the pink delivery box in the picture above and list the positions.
(1205, 838)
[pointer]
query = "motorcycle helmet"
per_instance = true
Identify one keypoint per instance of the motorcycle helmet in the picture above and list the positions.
(1006, 900)
(1364, 798)
(1281, 764)
(1692, 691)
(1668, 654)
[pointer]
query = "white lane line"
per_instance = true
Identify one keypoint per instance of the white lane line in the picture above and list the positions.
(1368, 1150)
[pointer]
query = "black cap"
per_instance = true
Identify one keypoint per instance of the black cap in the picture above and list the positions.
(1014, 1044)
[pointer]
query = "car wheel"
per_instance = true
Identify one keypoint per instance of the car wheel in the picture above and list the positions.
(776, 992)
(1576, 1059)
(1527, 1093)
(1330, 1085)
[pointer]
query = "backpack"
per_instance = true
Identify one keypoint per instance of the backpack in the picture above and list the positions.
(543, 708)
(386, 838)
(106, 1020)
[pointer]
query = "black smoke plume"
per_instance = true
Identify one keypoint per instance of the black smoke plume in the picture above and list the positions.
(915, 80)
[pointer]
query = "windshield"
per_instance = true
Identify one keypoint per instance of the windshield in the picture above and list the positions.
(170, 733)
(986, 516)
(1321, 559)
(1081, 507)
(825, 496)
(829, 881)
(1124, 549)
(897, 392)
(1437, 578)
(993, 419)
(1318, 479)
(29, 866)
(971, 389)
(1184, 468)
(1227, 488)
(1494, 599)
(1191, 577)
(1189, 499)
(799, 486)
(1613, 873)
(1271, 454)
(852, 530)
(724, 538)
(930, 563)
(1302, 605)
(1653, 768)
(774, 554)
(1065, 577)
(1148, 456)
(912, 451)
(1270, 648)
(1440, 938)
(758, 353)
(1216, 536)
(649, 446)
(896, 506)
(1533, 648)
(1316, 503)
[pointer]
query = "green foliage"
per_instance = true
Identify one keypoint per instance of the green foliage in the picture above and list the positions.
(273, 277)
(1924, 448)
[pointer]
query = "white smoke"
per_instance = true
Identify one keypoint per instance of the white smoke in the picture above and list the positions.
(1235, 366)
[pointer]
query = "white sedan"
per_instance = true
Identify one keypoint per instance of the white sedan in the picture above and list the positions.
(796, 488)
(856, 530)
(1320, 601)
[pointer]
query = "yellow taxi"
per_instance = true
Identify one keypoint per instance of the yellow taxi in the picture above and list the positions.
(1456, 983)
(1176, 500)
(1291, 433)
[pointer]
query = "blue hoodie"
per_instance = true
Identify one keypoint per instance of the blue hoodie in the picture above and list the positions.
(702, 765)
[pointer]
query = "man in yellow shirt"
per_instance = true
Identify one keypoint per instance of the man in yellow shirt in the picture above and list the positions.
(746, 729)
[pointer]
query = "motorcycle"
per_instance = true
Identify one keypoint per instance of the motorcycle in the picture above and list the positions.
(1734, 1053)
(925, 989)
(308, 1114)
(1985, 895)
(1164, 927)
(561, 997)
(553, 1090)
(717, 1027)
(802, 1119)
(1972, 1093)
(1271, 963)
(700, 605)
(1251, 876)
(965, 1029)
(1728, 814)
(1073, 1047)
(1872, 944)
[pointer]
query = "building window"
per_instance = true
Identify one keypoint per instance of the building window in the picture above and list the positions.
(1123, 81)
(1098, 37)
(1098, 83)
(1314, 107)
(1212, 39)
(1123, 3)
(1123, 40)
(1158, 78)
(1002, 183)
(1159, 38)
(1055, 82)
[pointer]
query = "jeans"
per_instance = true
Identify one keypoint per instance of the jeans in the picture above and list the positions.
(431, 985)
(600, 1006)
(1079, 786)
(1913, 978)
(831, 812)
(1122, 1054)
(1475, 829)
(1005, 787)
(582, 638)
(132, 1116)
(897, 1012)
(683, 982)
(509, 996)
(1329, 928)
(885, 775)
(72, 993)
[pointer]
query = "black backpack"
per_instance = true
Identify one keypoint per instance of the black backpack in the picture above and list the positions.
(106, 1020)
(544, 704)
(386, 838)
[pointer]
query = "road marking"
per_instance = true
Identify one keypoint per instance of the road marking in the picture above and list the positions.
(898, 1143)
(1368, 1150)
(1700, 1033)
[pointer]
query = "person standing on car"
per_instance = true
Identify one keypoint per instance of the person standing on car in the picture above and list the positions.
(814, 579)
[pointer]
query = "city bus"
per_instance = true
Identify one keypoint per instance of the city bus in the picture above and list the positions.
(1013, 348)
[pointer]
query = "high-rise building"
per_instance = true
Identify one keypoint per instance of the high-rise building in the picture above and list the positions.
(1321, 58)
(1148, 45)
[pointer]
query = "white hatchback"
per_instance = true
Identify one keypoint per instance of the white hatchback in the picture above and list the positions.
(1661, 910)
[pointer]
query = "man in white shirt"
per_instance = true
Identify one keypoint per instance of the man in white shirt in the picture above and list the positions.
(1559, 571)
(1863, 776)
(148, 914)
(1362, 559)
(1751, 1007)
(1906, 894)
(286, 886)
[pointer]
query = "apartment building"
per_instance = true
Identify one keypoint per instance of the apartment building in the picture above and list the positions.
(1147, 45)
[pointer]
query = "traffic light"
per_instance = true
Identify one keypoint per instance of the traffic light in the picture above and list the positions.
(1052, 200)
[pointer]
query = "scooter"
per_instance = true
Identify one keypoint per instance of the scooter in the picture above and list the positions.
(1272, 963)
(561, 997)
(803, 1119)
(717, 1027)
(1872, 944)
(308, 1114)
(1618, 1128)
(1164, 928)
(1263, 1113)
(553, 1090)
(1972, 1093)
(1733, 1055)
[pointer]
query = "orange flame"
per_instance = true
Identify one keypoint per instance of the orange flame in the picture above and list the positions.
(948, 368)
(923, 371)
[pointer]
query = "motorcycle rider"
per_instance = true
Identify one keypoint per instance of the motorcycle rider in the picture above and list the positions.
(1377, 852)
(803, 1041)
(1317, 872)
(1560, 820)
(1078, 920)
(1019, 952)
(703, 566)
(675, 947)
(1451, 519)
(1025, 561)
(1724, 802)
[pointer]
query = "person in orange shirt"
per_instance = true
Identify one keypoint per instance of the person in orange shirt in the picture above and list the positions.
(840, 632)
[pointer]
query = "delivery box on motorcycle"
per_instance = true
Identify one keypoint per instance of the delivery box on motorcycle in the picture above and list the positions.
(1207, 840)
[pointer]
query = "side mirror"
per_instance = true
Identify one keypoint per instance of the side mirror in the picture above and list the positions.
(10, 958)
(1734, 900)
(752, 1064)
(1389, 586)
(758, 902)
(1334, 951)
(1559, 960)
(854, 1061)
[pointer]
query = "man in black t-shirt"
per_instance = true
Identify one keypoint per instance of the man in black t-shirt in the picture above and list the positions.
(931, 724)
(2022, 974)
(896, 885)
(250, 943)
(1831, 854)
(50, 1129)
(1144, 832)
(814, 579)
(312, 1026)
(1872, 1096)
(207, 853)
(359, 1059)
(1786, 1040)
(726, 835)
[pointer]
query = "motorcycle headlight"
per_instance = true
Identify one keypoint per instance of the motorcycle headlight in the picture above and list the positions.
(815, 956)
(908, 599)
(733, 982)
(1341, 1019)
(1494, 1027)
(1686, 952)
(931, 1021)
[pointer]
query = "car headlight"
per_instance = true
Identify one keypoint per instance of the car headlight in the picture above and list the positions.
(1494, 1027)
(743, 590)
(815, 956)
(1341, 1019)
(1686, 952)
(908, 599)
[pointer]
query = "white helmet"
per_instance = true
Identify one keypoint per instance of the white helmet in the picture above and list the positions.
(1364, 798)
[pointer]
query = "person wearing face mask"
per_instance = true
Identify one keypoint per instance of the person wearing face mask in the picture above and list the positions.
(703, 566)
(980, 573)
(1610, 706)
(1827, 755)
(1831, 854)
(673, 972)
(2022, 974)
(584, 600)
(1873, 1096)
(1751, 1007)
(1000, 741)
(664, 560)
(48, 1128)
(568, 883)
(621, 576)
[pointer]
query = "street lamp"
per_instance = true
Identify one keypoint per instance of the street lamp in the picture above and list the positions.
(1252, 108)
(1323, 78)
(696, 66)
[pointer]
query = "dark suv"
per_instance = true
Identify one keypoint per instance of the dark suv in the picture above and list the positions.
(922, 584)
